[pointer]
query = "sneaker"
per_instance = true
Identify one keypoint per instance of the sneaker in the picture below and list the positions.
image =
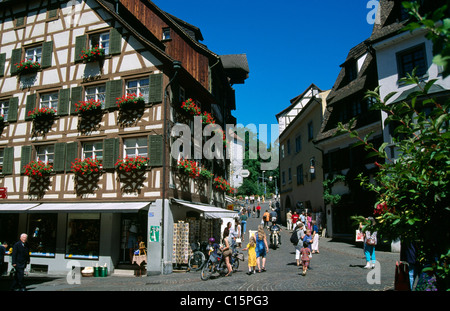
(367, 266)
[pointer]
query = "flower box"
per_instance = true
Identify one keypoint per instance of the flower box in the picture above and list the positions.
(92, 55)
(38, 169)
(130, 101)
(27, 66)
(207, 118)
(86, 106)
(205, 173)
(86, 166)
(190, 107)
(42, 113)
(189, 167)
(131, 164)
(221, 184)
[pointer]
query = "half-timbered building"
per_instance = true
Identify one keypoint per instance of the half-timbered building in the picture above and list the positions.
(89, 94)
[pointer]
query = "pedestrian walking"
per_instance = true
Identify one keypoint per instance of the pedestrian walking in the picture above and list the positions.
(315, 234)
(370, 241)
(251, 249)
(243, 219)
(261, 248)
(3, 249)
(294, 218)
(258, 210)
(302, 218)
(266, 218)
(306, 257)
(289, 220)
(227, 250)
(308, 238)
(20, 259)
(309, 221)
(300, 234)
(408, 253)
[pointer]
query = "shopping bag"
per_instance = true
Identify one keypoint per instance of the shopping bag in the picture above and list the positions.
(359, 236)
(401, 277)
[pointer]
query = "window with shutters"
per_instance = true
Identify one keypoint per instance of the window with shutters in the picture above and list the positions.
(93, 149)
(101, 40)
(4, 108)
(2, 154)
(49, 100)
(96, 93)
(45, 153)
(138, 86)
(136, 147)
(34, 54)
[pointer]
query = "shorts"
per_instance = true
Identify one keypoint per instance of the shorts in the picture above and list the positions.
(297, 253)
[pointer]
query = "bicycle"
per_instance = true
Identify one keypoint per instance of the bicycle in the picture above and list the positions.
(197, 259)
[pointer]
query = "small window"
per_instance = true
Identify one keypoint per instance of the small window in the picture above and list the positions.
(2, 155)
(101, 40)
(288, 146)
(96, 93)
(300, 180)
(351, 71)
(289, 174)
(310, 131)
(355, 107)
(298, 144)
(93, 150)
(283, 178)
(166, 34)
(136, 147)
(4, 108)
(138, 86)
(49, 101)
(412, 58)
(45, 153)
(34, 54)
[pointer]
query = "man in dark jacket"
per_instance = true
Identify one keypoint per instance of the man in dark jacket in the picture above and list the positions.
(3, 250)
(20, 259)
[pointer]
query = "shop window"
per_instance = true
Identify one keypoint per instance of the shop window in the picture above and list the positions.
(136, 147)
(42, 234)
(9, 228)
(49, 101)
(96, 93)
(93, 149)
(45, 153)
(138, 86)
(4, 108)
(83, 236)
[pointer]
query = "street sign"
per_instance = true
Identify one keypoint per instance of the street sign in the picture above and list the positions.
(245, 173)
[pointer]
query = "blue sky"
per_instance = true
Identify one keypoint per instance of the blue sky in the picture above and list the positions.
(289, 44)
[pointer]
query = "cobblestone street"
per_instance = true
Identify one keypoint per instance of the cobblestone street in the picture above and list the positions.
(338, 267)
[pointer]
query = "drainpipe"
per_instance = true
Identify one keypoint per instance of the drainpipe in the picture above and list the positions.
(176, 66)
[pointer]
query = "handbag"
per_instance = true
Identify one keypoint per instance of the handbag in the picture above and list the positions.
(359, 236)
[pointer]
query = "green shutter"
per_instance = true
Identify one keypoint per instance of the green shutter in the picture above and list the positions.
(110, 152)
(2, 64)
(8, 161)
(25, 157)
(30, 105)
(47, 51)
(71, 154)
(16, 58)
(63, 102)
(115, 41)
(80, 45)
(113, 91)
(59, 162)
(155, 84)
(77, 95)
(13, 109)
(155, 150)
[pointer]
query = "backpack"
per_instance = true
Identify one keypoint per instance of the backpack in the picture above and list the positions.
(294, 237)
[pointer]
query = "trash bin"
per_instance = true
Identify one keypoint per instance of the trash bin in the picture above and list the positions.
(96, 272)
(103, 271)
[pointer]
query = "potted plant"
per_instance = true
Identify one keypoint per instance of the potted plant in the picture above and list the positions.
(93, 54)
(189, 167)
(205, 173)
(132, 164)
(38, 169)
(207, 118)
(221, 184)
(27, 66)
(86, 166)
(190, 107)
(130, 101)
(43, 113)
(86, 106)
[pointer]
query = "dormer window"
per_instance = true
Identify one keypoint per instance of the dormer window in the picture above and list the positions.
(351, 71)
(166, 34)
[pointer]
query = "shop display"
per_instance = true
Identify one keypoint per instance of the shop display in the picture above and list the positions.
(43, 239)
(83, 235)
